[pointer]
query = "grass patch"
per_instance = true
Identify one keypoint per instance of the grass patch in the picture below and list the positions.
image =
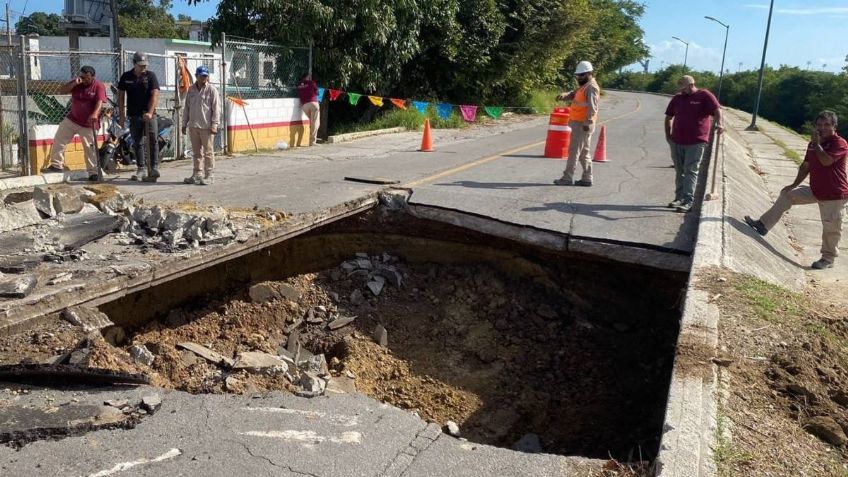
(769, 302)
(788, 152)
(410, 119)
(727, 457)
(543, 101)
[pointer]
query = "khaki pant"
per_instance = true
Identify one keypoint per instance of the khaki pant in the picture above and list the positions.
(832, 212)
(64, 135)
(578, 148)
(202, 148)
(313, 112)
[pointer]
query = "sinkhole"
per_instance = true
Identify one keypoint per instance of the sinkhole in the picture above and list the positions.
(521, 346)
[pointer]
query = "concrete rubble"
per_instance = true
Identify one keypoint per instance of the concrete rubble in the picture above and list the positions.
(172, 230)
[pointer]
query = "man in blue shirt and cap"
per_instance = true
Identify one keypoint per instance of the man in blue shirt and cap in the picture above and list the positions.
(201, 118)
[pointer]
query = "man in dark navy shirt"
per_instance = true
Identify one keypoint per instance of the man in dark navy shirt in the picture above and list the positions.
(139, 90)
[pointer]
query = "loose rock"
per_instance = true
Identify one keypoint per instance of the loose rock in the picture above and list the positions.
(262, 293)
(381, 336)
(141, 355)
(341, 321)
(151, 403)
(452, 428)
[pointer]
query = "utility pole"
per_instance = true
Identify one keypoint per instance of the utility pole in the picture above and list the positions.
(8, 27)
(753, 126)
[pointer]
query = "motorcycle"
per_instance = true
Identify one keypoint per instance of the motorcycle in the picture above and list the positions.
(119, 145)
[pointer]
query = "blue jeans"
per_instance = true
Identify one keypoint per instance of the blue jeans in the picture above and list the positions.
(687, 161)
(137, 131)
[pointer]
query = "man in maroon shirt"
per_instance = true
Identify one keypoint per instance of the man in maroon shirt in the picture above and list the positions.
(307, 91)
(825, 163)
(87, 95)
(687, 130)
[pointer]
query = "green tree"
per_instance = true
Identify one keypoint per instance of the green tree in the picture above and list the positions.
(146, 19)
(44, 24)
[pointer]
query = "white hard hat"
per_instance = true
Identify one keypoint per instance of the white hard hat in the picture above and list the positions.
(583, 67)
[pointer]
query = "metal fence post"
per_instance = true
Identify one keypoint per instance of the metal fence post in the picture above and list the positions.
(23, 135)
(225, 121)
(310, 57)
(178, 150)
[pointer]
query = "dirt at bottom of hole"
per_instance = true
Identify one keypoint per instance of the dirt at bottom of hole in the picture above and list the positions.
(500, 356)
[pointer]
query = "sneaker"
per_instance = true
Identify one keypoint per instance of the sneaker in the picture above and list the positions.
(673, 204)
(756, 225)
(564, 182)
(139, 175)
(195, 179)
(683, 207)
(52, 169)
(822, 264)
(583, 183)
(208, 180)
(154, 175)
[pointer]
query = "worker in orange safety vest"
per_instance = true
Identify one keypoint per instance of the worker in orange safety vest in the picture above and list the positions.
(584, 115)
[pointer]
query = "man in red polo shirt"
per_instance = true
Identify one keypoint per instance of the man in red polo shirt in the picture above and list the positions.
(825, 163)
(87, 95)
(687, 131)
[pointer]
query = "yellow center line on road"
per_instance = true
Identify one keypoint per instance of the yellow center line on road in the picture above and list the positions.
(480, 162)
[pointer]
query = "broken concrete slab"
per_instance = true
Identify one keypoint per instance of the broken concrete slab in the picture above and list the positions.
(391, 274)
(20, 425)
(19, 263)
(151, 403)
(17, 287)
(375, 286)
(55, 199)
(258, 362)
(140, 354)
(176, 221)
(80, 229)
(312, 383)
(89, 319)
(207, 354)
(60, 278)
(18, 215)
(341, 322)
(289, 292)
(262, 293)
(315, 364)
(381, 336)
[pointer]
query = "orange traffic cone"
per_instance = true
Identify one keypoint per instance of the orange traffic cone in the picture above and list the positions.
(601, 148)
(427, 139)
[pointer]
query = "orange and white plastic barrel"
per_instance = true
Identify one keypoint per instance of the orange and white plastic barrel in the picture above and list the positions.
(559, 134)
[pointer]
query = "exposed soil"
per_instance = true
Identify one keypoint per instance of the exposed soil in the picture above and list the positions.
(499, 356)
(784, 376)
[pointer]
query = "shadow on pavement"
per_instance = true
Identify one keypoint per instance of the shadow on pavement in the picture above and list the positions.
(495, 185)
(745, 229)
(594, 210)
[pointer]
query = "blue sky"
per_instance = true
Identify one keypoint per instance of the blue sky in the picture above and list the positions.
(814, 31)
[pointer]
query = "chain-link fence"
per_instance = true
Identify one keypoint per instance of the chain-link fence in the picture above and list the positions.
(263, 70)
(10, 118)
(238, 68)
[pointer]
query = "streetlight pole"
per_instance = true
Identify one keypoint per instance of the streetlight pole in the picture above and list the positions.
(685, 55)
(723, 53)
(753, 126)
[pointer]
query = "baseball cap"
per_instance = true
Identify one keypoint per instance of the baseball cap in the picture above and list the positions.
(139, 58)
(202, 71)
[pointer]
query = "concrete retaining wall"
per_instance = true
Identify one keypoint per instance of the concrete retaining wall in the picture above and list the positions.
(270, 121)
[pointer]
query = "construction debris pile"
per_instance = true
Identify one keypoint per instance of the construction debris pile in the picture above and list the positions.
(507, 361)
(55, 223)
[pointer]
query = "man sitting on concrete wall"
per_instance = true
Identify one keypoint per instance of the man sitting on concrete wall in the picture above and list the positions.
(87, 95)
(825, 163)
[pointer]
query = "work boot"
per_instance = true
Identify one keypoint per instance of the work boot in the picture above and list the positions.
(822, 264)
(563, 182)
(140, 174)
(153, 177)
(756, 225)
(208, 180)
(583, 183)
(194, 179)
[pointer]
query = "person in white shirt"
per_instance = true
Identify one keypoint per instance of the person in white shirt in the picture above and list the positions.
(201, 118)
